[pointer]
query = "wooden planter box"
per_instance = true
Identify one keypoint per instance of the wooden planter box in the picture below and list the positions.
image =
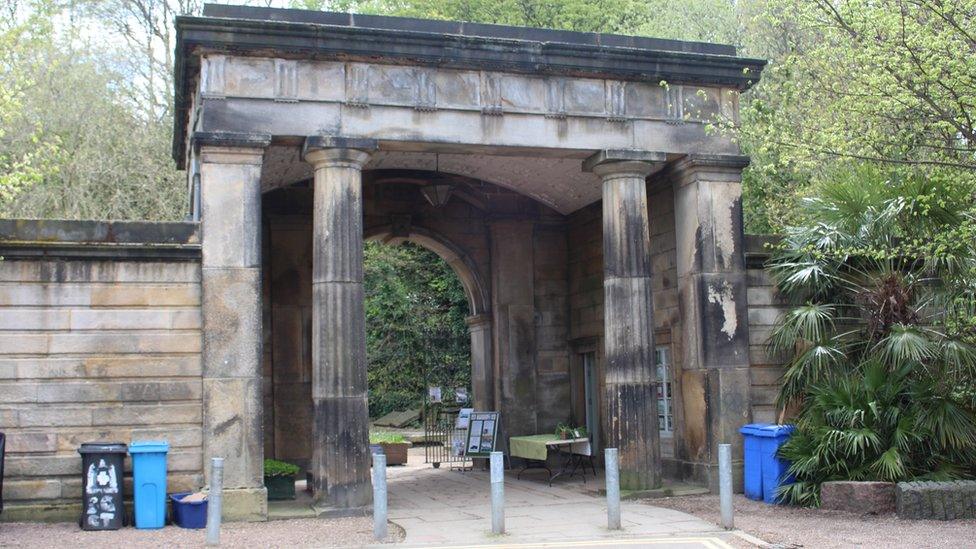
(280, 487)
(396, 452)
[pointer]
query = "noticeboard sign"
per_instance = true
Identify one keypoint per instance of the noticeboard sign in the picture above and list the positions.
(482, 433)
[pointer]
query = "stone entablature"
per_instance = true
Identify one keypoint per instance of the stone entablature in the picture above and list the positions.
(366, 85)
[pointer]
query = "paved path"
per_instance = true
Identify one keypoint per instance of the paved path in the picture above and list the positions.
(439, 507)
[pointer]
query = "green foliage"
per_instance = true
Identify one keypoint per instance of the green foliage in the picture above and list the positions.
(873, 423)
(415, 330)
(275, 468)
(34, 158)
(882, 82)
(703, 20)
(73, 144)
(385, 437)
(881, 368)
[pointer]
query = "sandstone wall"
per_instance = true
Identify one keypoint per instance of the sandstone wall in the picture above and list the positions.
(99, 341)
(765, 306)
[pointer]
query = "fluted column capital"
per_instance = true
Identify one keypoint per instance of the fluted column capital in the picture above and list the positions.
(323, 151)
(611, 164)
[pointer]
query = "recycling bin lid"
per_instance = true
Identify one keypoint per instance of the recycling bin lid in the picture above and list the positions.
(148, 446)
(768, 430)
(102, 448)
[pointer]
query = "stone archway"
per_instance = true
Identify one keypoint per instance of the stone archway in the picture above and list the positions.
(478, 294)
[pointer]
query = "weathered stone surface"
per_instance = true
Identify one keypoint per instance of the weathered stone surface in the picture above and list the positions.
(714, 337)
(232, 322)
(233, 429)
(27, 490)
(231, 206)
(931, 500)
(875, 498)
(514, 333)
(340, 460)
(246, 504)
(631, 420)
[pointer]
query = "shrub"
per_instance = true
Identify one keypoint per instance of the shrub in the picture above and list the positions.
(275, 468)
(385, 437)
(881, 351)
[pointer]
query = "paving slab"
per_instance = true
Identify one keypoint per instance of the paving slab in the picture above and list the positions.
(441, 507)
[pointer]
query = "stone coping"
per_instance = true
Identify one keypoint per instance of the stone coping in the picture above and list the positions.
(82, 239)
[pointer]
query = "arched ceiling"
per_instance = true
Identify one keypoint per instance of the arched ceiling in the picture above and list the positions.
(558, 183)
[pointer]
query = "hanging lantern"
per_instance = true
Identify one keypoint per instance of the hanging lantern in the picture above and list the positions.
(437, 193)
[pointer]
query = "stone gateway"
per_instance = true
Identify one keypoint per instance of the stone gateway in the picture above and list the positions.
(591, 215)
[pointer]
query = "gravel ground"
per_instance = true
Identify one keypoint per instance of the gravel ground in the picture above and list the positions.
(341, 532)
(800, 527)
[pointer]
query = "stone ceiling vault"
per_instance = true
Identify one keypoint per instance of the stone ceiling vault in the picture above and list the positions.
(558, 183)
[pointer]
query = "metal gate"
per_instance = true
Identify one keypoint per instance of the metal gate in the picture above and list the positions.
(445, 442)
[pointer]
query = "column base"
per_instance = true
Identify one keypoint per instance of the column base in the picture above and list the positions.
(245, 505)
(705, 474)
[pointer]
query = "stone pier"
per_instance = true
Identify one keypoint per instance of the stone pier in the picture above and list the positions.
(714, 376)
(230, 193)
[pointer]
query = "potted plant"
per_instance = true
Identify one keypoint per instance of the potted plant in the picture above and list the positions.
(394, 447)
(563, 431)
(279, 479)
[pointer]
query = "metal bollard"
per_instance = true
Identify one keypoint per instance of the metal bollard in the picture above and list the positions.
(379, 496)
(610, 456)
(497, 493)
(725, 484)
(215, 501)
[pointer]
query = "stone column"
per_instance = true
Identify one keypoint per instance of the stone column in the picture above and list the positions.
(713, 353)
(630, 405)
(482, 384)
(340, 451)
(513, 310)
(230, 192)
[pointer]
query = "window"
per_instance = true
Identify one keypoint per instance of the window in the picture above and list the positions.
(665, 411)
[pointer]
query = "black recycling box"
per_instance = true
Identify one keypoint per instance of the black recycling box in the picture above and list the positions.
(102, 464)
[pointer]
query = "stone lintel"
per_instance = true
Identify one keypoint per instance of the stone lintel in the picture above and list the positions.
(623, 160)
(231, 139)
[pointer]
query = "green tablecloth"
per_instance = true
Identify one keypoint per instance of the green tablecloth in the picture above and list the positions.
(530, 447)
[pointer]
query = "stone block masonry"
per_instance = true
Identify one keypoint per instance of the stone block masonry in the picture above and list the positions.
(875, 498)
(99, 341)
(950, 500)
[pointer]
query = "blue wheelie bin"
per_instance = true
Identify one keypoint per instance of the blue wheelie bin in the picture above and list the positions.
(149, 482)
(764, 470)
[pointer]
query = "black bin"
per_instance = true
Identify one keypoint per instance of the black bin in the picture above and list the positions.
(3, 452)
(102, 465)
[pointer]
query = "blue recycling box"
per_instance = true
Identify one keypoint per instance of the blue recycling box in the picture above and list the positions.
(764, 470)
(149, 482)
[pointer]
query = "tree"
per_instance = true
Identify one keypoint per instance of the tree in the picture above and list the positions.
(31, 159)
(890, 82)
(704, 20)
(81, 142)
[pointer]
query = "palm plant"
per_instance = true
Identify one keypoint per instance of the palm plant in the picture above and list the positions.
(881, 357)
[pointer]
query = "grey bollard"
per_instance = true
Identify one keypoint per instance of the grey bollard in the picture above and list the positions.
(725, 484)
(612, 467)
(497, 493)
(215, 501)
(379, 496)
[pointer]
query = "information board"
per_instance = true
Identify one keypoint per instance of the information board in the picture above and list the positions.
(482, 433)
